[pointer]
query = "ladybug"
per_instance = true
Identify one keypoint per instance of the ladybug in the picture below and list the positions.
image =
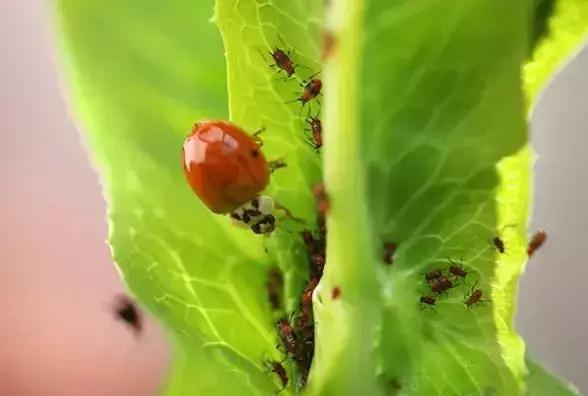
(224, 165)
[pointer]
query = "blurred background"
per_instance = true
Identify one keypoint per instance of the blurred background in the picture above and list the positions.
(58, 335)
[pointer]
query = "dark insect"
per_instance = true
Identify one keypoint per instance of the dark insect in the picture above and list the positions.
(288, 336)
(126, 310)
(457, 270)
(498, 244)
(336, 292)
(441, 285)
(322, 199)
(275, 287)
(283, 61)
(317, 264)
(537, 240)
(306, 299)
(309, 241)
(428, 300)
(433, 275)
(312, 89)
(316, 130)
(389, 249)
(276, 367)
(474, 298)
(328, 44)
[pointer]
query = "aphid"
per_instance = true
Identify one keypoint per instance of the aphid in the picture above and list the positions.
(316, 130)
(441, 285)
(288, 336)
(457, 270)
(276, 367)
(336, 292)
(306, 299)
(428, 300)
(224, 165)
(328, 44)
(126, 310)
(498, 244)
(473, 298)
(321, 198)
(388, 255)
(312, 89)
(317, 263)
(283, 61)
(433, 275)
(537, 240)
(275, 287)
(309, 241)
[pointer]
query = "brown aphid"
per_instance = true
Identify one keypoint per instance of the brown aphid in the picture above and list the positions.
(280, 371)
(498, 244)
(321, 199)
(126, 311)
(309, 241)
(473, 298)
(275, 287)
(317, 264)
(312, 89)
(441, 285)
(336, 292)
(433, 275)
(316, 130)
(389, 250)
(428, 300)
(283, 61)
(328, 44)
(537, 240)
(306, 299)
(457, 270)
(288, 336)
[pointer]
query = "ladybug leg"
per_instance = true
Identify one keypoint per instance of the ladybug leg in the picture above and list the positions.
(257, 137)
(276, 164)
(288, 214)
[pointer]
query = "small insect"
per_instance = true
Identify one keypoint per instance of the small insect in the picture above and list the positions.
(306, 299)
(316, 131)
(283, 61)
(321, 199)
(433, 275)
(275, 287)
(441, 285)
(317, 264)
(309, 241)
(224, 165)
(336, 292)
(457, 270)
(498, 244)
(389, 250)
(126, 311)
(474, 298)
(537, 240)
(428, 300)
(276, 164)
(288, 336)
(276, 367)
(312, 89)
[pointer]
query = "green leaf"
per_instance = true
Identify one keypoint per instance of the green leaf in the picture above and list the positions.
(429, 139)
(540, 382)
(567, 30)
(142, 72)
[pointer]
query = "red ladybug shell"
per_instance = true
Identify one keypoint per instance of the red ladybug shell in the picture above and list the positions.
(224, 165)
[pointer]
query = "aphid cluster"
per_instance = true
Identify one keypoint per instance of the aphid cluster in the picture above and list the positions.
(296, 334)
(440, 280)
